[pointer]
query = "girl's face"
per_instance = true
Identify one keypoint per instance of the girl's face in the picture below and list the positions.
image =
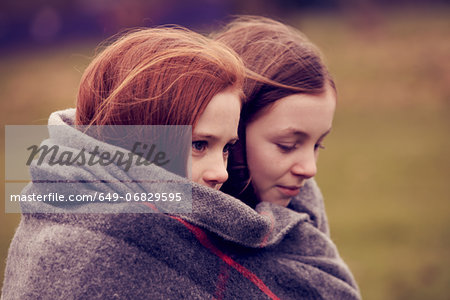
(212, 138)
(283, 143)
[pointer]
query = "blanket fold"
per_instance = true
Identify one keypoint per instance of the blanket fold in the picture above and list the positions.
(216, 247)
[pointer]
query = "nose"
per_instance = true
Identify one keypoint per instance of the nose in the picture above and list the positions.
(216, 173)
(305, 165)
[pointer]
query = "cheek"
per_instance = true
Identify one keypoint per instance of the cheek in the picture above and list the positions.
(258, 157)
(189, 167)
(195, 169)
(267, 165)
(254, 151)
(260, 160)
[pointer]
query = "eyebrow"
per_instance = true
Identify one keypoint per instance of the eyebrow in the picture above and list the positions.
(296, 132)
(212, 137)
(325, 134)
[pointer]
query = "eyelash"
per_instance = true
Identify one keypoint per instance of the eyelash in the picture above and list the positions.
(285, 148)
(202, 145)
(228, 147)
(319, 146)
(288, 149)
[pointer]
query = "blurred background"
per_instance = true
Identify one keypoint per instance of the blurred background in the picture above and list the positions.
(386, 167)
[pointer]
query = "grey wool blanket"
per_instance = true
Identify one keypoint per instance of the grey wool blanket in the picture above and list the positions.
(223, 249)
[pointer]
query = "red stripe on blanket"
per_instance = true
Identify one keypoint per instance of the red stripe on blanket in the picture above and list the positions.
(203, 239)
(152, 206)
(272, 222)
(222, 281)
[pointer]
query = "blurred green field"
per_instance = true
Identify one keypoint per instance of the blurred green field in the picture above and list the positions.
(386, 166)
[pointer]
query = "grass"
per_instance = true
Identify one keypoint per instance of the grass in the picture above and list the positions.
(32, 85)
(385, 170)
(385, 181)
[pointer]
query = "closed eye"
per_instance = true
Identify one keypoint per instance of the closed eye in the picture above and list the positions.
(286, 147)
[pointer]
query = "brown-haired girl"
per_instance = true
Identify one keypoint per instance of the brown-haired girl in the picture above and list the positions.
(286, 117)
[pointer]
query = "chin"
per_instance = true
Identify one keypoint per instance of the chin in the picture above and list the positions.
(284, 202)
(280, 201)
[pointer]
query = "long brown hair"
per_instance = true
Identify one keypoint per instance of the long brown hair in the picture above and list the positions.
(157, 76)
(289, 64)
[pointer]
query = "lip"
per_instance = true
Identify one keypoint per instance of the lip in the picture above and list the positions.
(290, 191)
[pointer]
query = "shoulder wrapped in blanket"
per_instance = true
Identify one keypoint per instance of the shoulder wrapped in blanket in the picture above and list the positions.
(223, 249)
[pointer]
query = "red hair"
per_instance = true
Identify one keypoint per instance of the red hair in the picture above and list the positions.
(158, 76)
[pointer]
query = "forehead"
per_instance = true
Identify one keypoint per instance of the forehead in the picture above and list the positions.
(223, 104)
(300, 112)
(221, 115)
